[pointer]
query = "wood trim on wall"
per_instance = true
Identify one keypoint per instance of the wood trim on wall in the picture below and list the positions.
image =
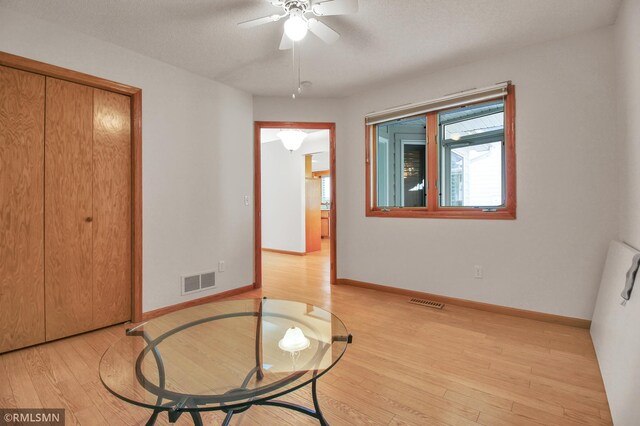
(136, 142)
(498, 309)
(432, 158)
(48, 70)
(433, 209)
(510, 150)
(25, 64)
(333, 212)
(257, 207)
(321, 173)
(294, 253)
(370, 199)
(257, 196)
(207, 299)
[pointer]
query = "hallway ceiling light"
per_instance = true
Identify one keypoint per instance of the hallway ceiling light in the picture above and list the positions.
(294, 340)
(292, 139)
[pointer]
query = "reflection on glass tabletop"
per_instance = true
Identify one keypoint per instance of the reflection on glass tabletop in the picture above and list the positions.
(223, 354)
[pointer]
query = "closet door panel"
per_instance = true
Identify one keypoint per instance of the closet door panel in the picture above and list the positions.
(68, 208)
(111, 208)
(21, 208)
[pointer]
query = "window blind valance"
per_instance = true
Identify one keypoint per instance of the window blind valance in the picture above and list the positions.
(450, 101)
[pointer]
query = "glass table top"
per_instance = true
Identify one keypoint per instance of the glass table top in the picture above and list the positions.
(223, 355)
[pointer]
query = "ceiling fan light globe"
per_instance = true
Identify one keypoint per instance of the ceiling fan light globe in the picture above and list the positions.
(292, 139)
(295, 28)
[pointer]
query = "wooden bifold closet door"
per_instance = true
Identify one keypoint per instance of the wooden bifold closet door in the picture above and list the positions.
(87, 208)
(65, 208)
(111, 208)
(21, 208)
(68, 208)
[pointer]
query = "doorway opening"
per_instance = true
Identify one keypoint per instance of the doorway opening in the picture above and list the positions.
(294, 192)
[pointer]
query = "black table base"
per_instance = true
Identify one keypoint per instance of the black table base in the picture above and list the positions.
(316, 413)
(176, 404)
(174, 412)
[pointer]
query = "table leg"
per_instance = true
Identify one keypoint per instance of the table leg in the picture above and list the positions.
(197, 419)
(153, 418)
(316, 404)
(259, 373)
(316, 413)
(227, 419)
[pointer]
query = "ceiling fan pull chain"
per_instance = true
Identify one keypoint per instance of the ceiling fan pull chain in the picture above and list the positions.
(299, 65)
(293, 56)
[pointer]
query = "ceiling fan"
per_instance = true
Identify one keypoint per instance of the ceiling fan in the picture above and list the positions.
(297, 24)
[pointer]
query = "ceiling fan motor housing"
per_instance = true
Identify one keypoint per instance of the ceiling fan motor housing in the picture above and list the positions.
(296, 10)
(302, 6)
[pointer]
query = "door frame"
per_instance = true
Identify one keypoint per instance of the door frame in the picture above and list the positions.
(402, 140)
(257, 191)
(135, 94)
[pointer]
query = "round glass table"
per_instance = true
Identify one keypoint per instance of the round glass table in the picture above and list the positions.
(226, 356)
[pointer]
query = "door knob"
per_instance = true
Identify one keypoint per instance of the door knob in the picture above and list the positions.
(88, 219)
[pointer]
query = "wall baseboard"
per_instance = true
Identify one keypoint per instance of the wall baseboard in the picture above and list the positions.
(295, 253)
(498, 309)
(146, 316)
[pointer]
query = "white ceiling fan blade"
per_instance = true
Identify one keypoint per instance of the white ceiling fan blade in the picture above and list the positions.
(286, 43)
(323, 32)
(260, 21)
(335, 7)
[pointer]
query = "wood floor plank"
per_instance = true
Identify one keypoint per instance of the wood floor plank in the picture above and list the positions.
(111, 408)
(505, 419)
(6, 393)
(25, 393)
(408, 365)
(543, 417)
(485, 403)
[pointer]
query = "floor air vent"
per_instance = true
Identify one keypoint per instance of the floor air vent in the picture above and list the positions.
(427, 303)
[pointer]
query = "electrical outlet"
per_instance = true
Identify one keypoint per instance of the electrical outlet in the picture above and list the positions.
(477, 272)
(246, 200)
(221, 266)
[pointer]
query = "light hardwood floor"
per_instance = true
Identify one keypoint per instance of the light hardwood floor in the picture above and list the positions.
(408, 365)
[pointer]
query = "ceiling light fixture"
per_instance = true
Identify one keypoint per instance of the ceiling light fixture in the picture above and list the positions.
(301, 16)
(292, 139)
(296, 26)
(294, 340)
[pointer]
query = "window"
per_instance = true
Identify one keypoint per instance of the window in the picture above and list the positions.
(471, 156)
(326, 192)
(453, 157)
(401, 165)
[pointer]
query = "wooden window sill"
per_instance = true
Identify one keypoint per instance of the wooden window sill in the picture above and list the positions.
(502, 214)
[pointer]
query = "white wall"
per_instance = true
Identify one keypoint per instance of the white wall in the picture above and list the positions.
(317, 144)
(616, 337)
(550, 258)
(628, 113)
(321, 162)
(300, 110)
(283, 198)
(283, 190)
(614, 329)
(309, 110)
(197, 162)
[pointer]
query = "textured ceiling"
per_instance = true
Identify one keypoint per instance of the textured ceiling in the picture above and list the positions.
(385, 39)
